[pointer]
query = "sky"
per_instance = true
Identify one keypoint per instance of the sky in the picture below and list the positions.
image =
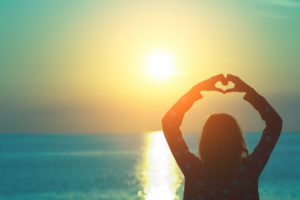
(81, 66)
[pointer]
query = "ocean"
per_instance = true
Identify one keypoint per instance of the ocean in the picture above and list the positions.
(121, 166)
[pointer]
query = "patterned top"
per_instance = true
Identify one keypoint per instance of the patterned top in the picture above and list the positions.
(243, 183)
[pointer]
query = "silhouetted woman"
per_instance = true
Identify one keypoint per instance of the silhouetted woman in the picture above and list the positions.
(225, 170)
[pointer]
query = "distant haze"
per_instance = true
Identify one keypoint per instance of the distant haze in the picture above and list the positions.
(80, 66)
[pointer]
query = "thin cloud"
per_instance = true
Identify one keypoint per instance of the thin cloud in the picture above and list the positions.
(285, 3)
(271, 15)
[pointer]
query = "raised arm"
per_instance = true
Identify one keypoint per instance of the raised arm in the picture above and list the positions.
(259, 157)
(172, 120)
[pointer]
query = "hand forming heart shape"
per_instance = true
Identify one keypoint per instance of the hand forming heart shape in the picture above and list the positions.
(230, 83)
(222, 84)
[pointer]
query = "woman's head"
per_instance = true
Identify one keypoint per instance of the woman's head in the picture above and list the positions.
(222, 145)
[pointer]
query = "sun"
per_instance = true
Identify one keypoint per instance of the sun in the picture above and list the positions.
(160, 65)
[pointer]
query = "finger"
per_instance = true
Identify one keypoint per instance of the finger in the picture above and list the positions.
(223, 80)
(231, 77)
(219, 90)
(234, 79)
(214, 88)
(220, 77)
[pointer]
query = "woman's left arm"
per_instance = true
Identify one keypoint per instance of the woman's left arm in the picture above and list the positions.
(172, 120)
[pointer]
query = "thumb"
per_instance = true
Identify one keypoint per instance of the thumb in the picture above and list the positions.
(230, 90)
(219, 90)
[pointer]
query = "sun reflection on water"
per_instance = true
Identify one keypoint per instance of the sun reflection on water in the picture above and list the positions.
(161, 177)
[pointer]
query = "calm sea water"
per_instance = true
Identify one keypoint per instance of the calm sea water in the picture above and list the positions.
(119, 166)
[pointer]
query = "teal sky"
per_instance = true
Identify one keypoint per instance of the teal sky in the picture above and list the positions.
(77, 66)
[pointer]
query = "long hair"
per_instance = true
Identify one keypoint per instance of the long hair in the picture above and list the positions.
(222, 146)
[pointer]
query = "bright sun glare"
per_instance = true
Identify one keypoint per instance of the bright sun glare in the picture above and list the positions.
(160, 64)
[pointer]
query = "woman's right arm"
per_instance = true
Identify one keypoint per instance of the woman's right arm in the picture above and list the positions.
(172, 120)
(260, 156)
